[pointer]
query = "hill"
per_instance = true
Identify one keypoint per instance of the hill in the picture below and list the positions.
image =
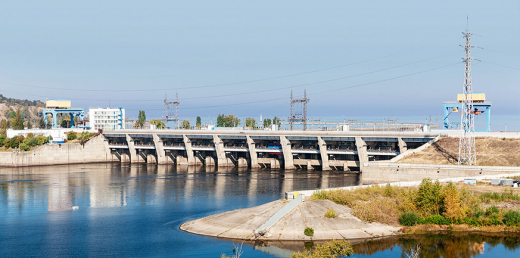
(31, 109)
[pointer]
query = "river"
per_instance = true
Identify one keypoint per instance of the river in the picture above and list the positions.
(115, 210)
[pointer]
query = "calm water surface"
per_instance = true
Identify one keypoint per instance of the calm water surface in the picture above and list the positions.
(135, 211)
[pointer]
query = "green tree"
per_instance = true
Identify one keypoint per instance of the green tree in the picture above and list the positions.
(71, 136)
(185, 124)
(18, 121)
(41, 123)
(158, 123)
(267, 122)
(250, 122)
(199, 122)
(277, 121)
(227, 121)
(220, 120)
(29, 125)
(429, 197)
(3, 127)
(141, 118)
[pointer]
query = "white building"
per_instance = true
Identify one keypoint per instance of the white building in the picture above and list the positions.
(107, 118)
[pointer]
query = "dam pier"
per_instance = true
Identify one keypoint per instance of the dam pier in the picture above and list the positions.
(328, 150)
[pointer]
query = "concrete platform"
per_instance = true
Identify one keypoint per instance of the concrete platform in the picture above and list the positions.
(240, 224)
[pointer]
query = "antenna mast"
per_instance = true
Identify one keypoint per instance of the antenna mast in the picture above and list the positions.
(467, 151)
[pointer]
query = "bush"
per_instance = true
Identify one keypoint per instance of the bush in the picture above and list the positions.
(308, 231)
(492, 210)
(14, 142)
(512, 218)
(437, 219)
(330, 213)
(409, 219)
(478, 214)
(2, 140)
(41, 140)
(24, 147)
(71, 136)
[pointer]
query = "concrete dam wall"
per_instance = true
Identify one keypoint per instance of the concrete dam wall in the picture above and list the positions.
(95, 150)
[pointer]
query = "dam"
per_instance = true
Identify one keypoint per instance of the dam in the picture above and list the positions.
(324, 150)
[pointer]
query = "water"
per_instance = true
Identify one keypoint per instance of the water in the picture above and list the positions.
(135, 211)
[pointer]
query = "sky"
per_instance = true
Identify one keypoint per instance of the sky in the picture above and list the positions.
(354, 58)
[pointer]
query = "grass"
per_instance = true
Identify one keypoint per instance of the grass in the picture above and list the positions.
(330, 213)
(431, 203)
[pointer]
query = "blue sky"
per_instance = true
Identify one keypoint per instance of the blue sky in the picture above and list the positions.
(355, 58)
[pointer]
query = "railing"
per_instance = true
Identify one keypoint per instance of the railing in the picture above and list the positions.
(381, 149)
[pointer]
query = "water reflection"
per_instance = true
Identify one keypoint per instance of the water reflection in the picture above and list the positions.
(456, 245)
(24, 190)
(453, 245)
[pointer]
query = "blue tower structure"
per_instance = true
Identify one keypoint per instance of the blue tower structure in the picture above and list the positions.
(56, 106)
(480, 107)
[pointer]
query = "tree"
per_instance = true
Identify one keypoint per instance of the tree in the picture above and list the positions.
(267, 122)
(250, 122)
(227, 121)
(29, 125)
(18, 121)
(185, 124)
(141, 118)
(452, 207)
(41, 123)
(199, 122)
(276, 121)
(3, 127)
(158, 123)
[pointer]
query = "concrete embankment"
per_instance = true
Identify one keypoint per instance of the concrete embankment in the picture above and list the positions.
(240, 224)
(95, 150)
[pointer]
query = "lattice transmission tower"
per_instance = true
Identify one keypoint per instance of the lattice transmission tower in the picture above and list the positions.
(171, 110)
(467, 151)
(301, 114)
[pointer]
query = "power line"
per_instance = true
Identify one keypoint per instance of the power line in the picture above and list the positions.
(282, 88)
(203, 86)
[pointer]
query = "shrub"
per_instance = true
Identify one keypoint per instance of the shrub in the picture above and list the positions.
(512, 218)
(492, 210)
(71, 136)
(2, 140)
(494, 222)
(437, 220)
(14, 142)
(41, 140)
(24, 147)
(409, 219)
(478, 214)
(330, 213)
(308, 231)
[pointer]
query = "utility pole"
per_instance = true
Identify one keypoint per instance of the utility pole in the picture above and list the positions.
(170, 115)
(467, 151)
